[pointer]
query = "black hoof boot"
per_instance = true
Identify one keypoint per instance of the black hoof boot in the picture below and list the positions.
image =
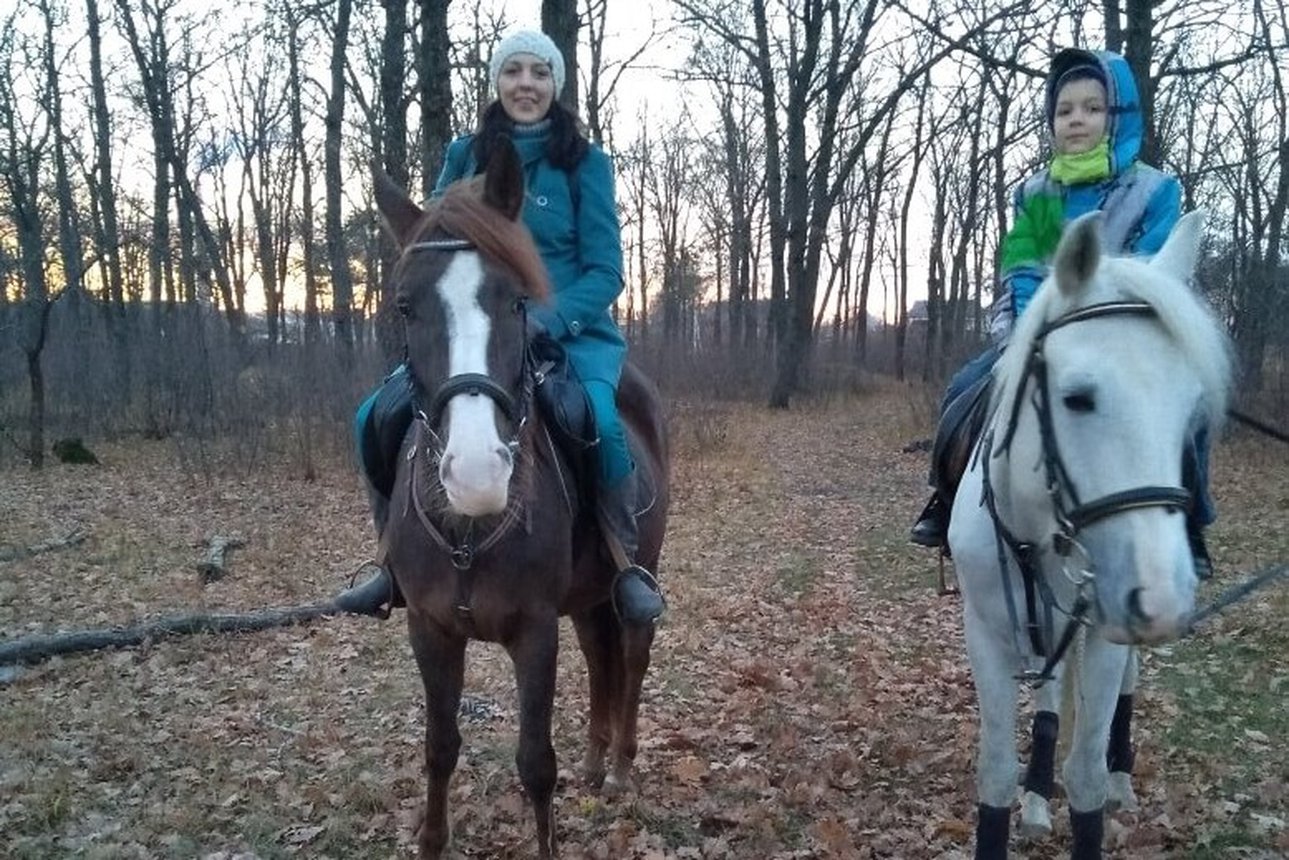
(932, 525)
(993, 824)
(375, 597)
(636, 598)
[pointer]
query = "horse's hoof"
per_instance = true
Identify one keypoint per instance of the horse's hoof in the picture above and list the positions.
(616, 785)
(593, 778)
(1035, 816)
(1119, 794)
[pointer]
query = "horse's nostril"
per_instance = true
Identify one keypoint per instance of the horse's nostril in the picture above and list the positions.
(445, 467)
(506, 457)
(1136, 612)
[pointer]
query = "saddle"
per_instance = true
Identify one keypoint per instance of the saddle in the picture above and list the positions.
(956, 436)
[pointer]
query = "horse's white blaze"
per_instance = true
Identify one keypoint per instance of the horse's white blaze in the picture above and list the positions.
(476, 467)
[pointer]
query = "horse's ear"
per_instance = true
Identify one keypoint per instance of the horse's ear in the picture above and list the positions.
(399, 214)
(1078, 254)
(503, 183)
(1181, 250)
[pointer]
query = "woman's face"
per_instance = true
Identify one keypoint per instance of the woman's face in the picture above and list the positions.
(1079, 122)
(526, 88)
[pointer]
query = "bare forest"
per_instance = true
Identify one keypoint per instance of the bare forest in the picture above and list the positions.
(193, 283)
(815, 191)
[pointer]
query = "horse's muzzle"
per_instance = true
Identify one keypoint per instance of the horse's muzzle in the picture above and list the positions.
(477, 484)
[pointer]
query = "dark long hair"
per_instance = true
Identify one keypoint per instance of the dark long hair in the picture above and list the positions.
(565, 148)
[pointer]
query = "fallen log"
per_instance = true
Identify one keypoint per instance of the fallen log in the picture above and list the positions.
(41, 646)
(71, 539)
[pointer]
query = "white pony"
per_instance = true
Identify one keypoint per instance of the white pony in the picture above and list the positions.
(1072, 509)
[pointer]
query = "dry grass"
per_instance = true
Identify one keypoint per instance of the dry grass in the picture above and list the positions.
(809, 696)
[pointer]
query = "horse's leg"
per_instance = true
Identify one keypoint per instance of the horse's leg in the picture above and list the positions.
(993, 669)
(441, 659)
(1085, 771)
(631, 662)
(534, 651)
(1120, 755)
(595, 635)
(1039, 781)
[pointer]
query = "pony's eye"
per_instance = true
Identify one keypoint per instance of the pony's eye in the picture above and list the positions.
(1080, 401)
(403, 305)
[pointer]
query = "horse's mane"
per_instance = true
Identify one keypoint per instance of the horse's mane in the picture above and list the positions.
(1184, 316)
(462, 213)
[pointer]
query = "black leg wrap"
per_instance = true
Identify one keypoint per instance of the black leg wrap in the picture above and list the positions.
(993, 824)
(1119, 755)
(1087, 829)
(1040, 775)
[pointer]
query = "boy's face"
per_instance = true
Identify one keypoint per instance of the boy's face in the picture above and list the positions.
(1080, 119)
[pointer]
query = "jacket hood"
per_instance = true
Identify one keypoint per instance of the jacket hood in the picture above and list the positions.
(1124, 125)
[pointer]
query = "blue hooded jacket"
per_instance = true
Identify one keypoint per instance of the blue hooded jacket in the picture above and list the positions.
(1141, 204)
(577, 234)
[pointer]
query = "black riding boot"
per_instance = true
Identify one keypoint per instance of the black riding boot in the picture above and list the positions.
(636, 595)
(377, 594)
(932, 526)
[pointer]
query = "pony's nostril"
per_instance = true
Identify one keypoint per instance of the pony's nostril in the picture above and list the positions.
(1136, 612)
(445, 467)
(507, 458)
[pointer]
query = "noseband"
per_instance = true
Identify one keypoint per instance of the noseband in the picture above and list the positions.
(1072, 515)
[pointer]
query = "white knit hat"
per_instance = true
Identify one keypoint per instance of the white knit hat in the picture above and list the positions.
(529, 42)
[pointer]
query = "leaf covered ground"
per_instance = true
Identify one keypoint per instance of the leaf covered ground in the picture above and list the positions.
(809, 695)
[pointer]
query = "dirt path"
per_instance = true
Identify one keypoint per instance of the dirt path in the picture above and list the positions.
(809, 696)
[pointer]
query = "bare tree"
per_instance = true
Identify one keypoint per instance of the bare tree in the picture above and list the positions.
(560, 22)
(435, 84)
(341, 284)
(25, 138)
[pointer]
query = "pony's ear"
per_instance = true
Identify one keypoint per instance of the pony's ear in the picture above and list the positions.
(503, 182)
(399, 214)
(1078, 254)
(1181, 250)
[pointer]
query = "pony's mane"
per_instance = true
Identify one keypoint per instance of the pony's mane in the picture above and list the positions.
(462, 213)
(1184, 316)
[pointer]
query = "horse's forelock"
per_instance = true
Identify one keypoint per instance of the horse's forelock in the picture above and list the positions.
(1182, 313)
(462, 213)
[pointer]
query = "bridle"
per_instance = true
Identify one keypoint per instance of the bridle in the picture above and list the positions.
(514, 409)
(1072, 515)
(427, 445)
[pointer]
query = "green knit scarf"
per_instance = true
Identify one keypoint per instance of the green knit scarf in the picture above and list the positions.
(1034, 236)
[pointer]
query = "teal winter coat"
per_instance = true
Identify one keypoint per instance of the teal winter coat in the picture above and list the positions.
(574, 220)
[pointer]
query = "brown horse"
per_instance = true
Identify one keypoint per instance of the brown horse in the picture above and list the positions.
(489, 536)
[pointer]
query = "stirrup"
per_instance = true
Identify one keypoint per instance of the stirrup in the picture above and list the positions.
(650, 581)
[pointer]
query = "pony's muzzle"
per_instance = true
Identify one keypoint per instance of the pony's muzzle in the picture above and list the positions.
(1152, 616)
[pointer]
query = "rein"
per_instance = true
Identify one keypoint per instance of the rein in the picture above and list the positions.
(1071, 518)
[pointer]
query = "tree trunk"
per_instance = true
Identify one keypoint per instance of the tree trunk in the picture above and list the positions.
(312, 317)
(560, 22)
(435, 81)
(341, 284)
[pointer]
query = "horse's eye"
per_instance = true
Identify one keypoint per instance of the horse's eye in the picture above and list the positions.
(1080, 401)
(403, 305)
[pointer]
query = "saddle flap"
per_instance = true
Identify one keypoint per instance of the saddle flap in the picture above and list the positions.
(956, 435)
